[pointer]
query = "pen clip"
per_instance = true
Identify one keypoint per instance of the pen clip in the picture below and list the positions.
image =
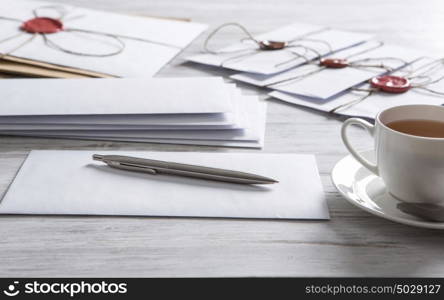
(131, 167)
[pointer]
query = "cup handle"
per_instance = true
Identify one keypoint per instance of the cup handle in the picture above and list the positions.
(370, 129)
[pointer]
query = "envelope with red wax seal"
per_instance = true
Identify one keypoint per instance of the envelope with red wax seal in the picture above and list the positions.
(86, 42)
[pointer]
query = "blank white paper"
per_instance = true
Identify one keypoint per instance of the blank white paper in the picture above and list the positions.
(32, 97)
(70, 183)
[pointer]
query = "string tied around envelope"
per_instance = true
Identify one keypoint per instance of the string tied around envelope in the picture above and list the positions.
(420, 78)
(345, 62)
(45, 26)
(268, 45)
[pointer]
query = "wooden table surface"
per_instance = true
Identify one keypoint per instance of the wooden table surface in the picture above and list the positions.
(352, 243)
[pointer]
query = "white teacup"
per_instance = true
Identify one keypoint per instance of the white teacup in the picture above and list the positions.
(412, 167)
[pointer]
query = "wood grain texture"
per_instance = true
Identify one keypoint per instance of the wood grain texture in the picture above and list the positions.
(353, 243)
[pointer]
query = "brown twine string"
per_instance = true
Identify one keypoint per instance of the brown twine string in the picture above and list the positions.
(2, 55)
(354, 102)
(317, 53)
(21, 45)
(429, 69)
(357, 63)
(430, 90)
(433, 66)
(297, 55)
(251, 52)
(320, 68)
(217, 29)
(10, 19)
(56, 46)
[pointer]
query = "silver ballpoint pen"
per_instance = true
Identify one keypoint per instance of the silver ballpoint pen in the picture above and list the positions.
(154, 167)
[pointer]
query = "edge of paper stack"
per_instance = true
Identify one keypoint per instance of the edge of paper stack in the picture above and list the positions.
(198, 111)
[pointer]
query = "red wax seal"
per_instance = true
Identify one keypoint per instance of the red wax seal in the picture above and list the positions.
(335, 63)
(272, 45)
(42, 25)
(391, 84)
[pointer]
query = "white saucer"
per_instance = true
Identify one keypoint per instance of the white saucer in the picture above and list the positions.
(367, 191)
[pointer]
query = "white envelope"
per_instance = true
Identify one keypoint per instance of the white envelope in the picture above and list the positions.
(268, 80)
(253, 111)
(245, 57)
(371, 106)
(87, 127)
(131, 122)
(231, 144)
(71, 183)
(128, 121)
(30, 97)
(138, 58)
(321, 83)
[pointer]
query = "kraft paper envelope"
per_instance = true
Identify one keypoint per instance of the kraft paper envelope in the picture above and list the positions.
(245, 57)
(94, 33)
(371, 106)
(70, 183)
(29, 70)
(111, 96)
(3, 75)
(323, 83)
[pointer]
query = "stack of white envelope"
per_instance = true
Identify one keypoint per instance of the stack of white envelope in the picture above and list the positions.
(198, 111)
(305, 42)
(360, 103)
(295, 74)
